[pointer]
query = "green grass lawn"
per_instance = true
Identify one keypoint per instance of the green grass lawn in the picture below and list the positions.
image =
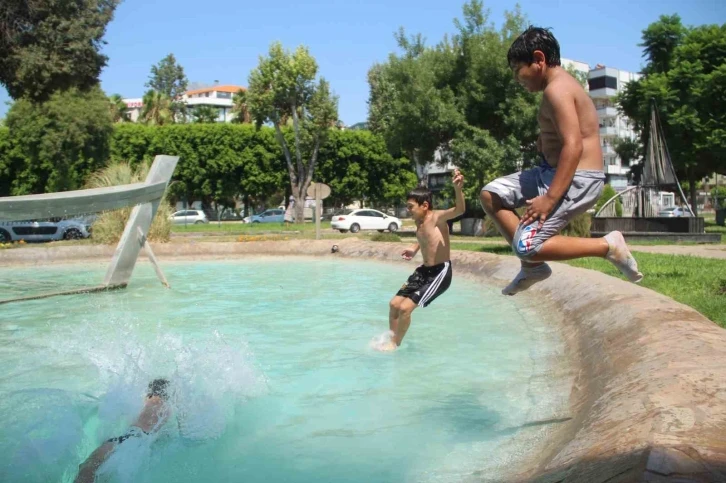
(697, 282)
(245, 228)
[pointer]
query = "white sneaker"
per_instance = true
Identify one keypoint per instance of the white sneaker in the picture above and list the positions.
(620, 256)
(527, 277)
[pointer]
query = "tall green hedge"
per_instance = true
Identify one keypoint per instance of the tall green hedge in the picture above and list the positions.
(218, 162)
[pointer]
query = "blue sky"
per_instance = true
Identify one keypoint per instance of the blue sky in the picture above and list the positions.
(222, 40)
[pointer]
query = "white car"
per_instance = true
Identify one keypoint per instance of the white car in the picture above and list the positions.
(44, 230)
(674, 211)
(189, 217)
(364, 219)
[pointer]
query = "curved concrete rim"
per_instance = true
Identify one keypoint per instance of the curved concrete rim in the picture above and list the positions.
(648, 401)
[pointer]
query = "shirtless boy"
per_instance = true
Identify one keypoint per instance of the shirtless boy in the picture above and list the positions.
(151, 418)
(569, 179)
(433, 277)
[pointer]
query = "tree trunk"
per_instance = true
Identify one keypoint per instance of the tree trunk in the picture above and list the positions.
(299, 208)
(694, 195)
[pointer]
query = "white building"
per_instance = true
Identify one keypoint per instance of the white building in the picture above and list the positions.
(133, 108)
(605, 83)
(218, 97)
(581, 67)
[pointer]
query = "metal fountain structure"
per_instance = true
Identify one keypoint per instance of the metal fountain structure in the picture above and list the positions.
(144, 197)
(641, 203)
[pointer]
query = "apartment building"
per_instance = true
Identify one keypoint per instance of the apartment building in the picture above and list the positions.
(604, 83)
(219, 97)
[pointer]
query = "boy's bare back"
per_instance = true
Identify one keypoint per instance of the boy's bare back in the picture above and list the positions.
(567, 110)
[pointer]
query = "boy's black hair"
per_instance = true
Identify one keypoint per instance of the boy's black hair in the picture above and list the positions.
(158, 387)
(419, 195)
(534, 38)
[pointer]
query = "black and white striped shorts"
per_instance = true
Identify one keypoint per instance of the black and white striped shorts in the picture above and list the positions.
(427, 283)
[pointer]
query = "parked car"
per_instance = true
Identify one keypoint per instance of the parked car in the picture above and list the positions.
(365, 219)
(189, 217)
(228, 214)
(275, 215)
(44, 230)
(674, 211)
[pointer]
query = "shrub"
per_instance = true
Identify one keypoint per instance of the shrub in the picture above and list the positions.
(385, 237)
(607, 193)
(109, 225)
(579, 226)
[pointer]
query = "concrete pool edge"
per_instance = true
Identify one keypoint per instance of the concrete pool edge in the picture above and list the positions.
(649, 399)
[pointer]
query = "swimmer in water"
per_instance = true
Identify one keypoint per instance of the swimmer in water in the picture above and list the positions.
(149, 420)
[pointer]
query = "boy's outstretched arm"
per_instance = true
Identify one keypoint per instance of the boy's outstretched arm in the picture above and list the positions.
(411, 252)
(460, 206)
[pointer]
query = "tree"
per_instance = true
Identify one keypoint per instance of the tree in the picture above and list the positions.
(357, 167)
(410, 104)
(686, 76)
(283, 85)
(628, 150)
(5, 163)
(241, 108)
(55, 145)
(156, 108)
(205, 114)
(660, 40)
(458, 99)
(168, 78)
(218, 162)
(50, 45)
(118, 108)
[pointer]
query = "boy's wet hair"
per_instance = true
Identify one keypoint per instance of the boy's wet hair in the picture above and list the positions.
(419, 195)
(534, 38)
(158, 387)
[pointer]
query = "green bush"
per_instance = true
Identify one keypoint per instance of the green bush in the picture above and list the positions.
(607, 193)
(221, 161)
(386, 237)
(579, 226)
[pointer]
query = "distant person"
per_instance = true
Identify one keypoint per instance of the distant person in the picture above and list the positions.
(569, 178)
(150, 420)
(433, 277)
(290, 211)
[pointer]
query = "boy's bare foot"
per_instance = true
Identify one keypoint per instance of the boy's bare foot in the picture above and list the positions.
(619, 255)
(387, 346)
(384, 342)
(527, 277)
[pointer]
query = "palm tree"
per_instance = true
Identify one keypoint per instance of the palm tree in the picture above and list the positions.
(157, 108)
(205, 114)
(241, 108)
(118, 108)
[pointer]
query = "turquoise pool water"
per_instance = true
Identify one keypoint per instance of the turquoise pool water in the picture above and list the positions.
(273, 377)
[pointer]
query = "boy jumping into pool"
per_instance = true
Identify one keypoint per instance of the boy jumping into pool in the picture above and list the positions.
(433, 277)
(150, 420)
(569, 179)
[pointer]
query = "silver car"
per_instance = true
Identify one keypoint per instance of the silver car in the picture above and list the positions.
(189, 217)
(44, 230)
(674, 211)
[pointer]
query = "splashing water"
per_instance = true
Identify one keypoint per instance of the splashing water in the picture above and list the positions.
(273, 380)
